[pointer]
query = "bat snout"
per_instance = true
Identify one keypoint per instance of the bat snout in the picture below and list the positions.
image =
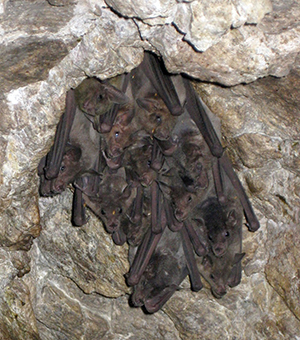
(58, 187)
(219, 250)
(219, 292)
(112, 227)
(180, 215)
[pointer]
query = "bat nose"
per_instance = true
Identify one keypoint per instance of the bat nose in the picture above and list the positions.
(219, 250)
(219, 292)
(179, 214)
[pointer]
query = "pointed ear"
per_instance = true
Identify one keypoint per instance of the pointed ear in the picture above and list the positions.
(231, 218)
(238, 257)
(207, 262)
(200, 222)
(125, 118)
(147, 104)
(115, 95)
(72, 154)
(126, 192)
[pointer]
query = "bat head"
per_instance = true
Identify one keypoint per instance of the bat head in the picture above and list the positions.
(221, 272)
(183, 202)
(158, 121)
(120, 135)
(96, 98)
(112, 202)
(220, 223)
(70, 168)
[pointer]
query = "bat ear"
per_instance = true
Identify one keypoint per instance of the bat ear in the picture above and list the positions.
(115, 95)
(72, 154)
(146, 104)
(207, 262)
(231, 218)
(238, 257)
(125, 118)
(126, 192)
(200, 222)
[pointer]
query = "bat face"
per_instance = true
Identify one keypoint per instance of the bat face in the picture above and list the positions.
(120, 136)
(139, 160)
(221, 223)
(221, 272)
(111, 214)
(159, 121)
(183, 202)
(69, 169)
(112, 202)
(95, 97)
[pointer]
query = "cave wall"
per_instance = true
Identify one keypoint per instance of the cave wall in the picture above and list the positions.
(62, 282)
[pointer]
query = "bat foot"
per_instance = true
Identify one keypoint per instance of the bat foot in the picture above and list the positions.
(196, 287)
(132, 280)
(253, 225)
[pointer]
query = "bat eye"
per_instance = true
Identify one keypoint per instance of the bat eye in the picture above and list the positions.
(212, 276)
(158, 119)
(62, 168)
(100, 97)
(190, 199)
(103, 212)
(148, 163)
(120, 210)
(227, 234)
(210, 238)
(117, 133)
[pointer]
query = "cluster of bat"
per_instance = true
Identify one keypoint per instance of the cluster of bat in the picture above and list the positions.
(143, 155)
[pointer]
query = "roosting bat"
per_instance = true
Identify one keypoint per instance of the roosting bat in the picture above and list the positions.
(95, 97)
(163, 274)
(111, 203)
(152, 114)
(92, 97)
(223, 226)
(162, 83)
(198, 113)
(79, 154)
(220, 223)
(166, 269)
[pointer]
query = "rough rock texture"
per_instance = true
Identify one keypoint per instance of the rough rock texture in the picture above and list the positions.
(62, 282)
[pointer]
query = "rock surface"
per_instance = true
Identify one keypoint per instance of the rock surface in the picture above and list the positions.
(62, 282)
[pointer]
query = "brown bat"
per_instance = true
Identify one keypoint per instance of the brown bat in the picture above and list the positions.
(167, 268)
(198, 113)
(95, 97)
(111, 203)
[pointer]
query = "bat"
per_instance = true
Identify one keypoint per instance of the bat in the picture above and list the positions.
(198, 113)
(111, 203)
(221, 267)
(152, 114)
(220, 222)
(165, 271)
(95, 97)
(64, 126)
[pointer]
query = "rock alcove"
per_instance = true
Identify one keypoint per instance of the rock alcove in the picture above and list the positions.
(61, 282)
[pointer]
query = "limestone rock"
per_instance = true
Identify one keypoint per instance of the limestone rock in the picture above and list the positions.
(86, 255)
